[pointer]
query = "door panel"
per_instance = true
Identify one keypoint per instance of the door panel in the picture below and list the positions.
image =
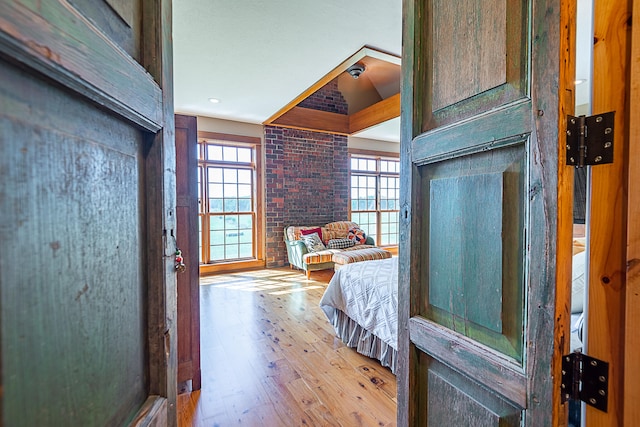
(479, 57)
(87, 306)
(480, 165)
(475, 252)
(451, 390)
(80, 300)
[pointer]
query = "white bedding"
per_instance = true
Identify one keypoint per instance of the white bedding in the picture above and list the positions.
(367, 292)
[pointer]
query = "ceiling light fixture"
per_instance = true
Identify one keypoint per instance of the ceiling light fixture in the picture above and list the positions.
(214, 100)
(355, 70)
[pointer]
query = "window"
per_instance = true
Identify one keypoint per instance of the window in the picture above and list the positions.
(228, 191)
(375, 194)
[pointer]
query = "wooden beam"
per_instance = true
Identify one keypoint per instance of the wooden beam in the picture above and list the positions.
(364, 51)
(315, 120)
(377, 113)
(632, 320)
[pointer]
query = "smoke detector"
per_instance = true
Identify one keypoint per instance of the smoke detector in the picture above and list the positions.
(355, 70)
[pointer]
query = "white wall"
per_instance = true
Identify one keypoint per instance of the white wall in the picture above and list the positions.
(209, 124)
(373, 144)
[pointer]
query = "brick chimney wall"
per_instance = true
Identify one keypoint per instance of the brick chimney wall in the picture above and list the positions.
(306, 175)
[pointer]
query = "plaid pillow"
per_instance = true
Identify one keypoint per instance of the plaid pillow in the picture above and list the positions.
(340, 243)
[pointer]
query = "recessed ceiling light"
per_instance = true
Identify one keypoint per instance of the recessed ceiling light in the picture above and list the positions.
(579, 81)
(214, 100)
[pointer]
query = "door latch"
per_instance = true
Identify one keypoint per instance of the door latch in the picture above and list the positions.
(585, 378)
(590, 139)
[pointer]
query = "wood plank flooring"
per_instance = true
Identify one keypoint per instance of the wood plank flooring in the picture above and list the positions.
(271, 358)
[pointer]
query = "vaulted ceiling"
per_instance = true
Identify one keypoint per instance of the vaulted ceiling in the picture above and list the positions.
(261, 58)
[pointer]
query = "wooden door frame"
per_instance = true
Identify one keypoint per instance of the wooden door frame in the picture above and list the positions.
(609, 207)
(88, 64)
(157, 58)
(631, 390)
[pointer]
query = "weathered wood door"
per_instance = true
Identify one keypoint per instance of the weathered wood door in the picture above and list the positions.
(482, 96)
(87, 197)
(187, 238)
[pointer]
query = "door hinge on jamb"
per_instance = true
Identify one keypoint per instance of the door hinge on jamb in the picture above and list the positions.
(590, 140)
(585, 378)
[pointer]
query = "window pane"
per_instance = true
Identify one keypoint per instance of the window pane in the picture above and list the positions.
(231, 221)
(215, 190)
(245, 250)
(244, 176)
(215, 205)
(231, 205)
(214, 152)
(244, 190)
(229, 154)
(244, 205)
(214, 175)
(216, 253)
(230, 190)
(245, 221)
(231, 251)
(245, 236)
(230, 176)
(216, 237)
(216, 222)
(244, 155)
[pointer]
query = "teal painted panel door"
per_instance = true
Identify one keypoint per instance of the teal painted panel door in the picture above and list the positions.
(479, 183)
(82, 308)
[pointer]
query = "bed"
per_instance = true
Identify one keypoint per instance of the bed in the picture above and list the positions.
(361, 302)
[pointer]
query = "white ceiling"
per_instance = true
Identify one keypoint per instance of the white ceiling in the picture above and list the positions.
(255, 56)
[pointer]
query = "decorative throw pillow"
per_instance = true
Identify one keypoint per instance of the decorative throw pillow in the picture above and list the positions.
(357, 235)
(340, 243)
(313, 242)
(316, 230)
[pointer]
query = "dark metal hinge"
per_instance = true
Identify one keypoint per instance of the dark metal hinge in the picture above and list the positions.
(590, 140)
(585, 378)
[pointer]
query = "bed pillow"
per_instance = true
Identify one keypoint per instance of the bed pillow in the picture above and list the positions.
(357, 235)
(340, 243)
(313, 242)
(308, 231)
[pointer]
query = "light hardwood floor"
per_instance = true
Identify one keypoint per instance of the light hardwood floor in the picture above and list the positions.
(271, 358)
